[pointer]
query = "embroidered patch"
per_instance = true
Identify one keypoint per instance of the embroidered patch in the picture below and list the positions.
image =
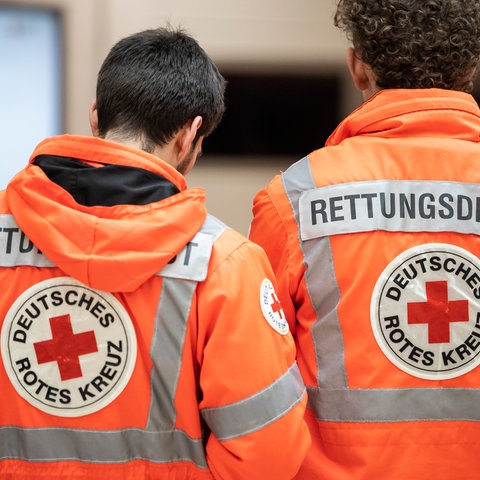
(68, 350)
(425, 311)
(272, 309)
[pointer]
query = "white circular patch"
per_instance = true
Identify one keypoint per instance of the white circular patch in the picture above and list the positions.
(69, 350)
(272, 309)
(425, 311)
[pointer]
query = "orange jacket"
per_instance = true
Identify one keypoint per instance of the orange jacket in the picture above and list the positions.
(375, 242)
(140, 337)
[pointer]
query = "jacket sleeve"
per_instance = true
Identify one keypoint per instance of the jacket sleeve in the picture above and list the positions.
(253, 396)
(269, 229)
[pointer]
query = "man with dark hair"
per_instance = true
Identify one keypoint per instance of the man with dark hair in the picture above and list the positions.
(375, 241)
(140, 337)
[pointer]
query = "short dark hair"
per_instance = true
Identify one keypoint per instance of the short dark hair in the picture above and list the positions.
(153, 82)
(415, 43)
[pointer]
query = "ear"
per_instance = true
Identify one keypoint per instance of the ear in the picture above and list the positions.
(187, 136)
(358, 70)
(93, 118)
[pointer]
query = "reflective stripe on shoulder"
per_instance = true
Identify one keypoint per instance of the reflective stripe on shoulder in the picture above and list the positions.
(16, 248)
(253, 413)
(213, 226)
(192, 262)
(322, 288)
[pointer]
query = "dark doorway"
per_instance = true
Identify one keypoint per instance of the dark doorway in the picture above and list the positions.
(276, 115)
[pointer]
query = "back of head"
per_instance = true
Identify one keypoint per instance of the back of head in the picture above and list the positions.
(415, 43)
(153, 82)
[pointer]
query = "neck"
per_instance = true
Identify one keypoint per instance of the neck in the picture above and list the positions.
(164, 152)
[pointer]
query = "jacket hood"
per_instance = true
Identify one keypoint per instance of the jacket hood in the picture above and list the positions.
(109, 247)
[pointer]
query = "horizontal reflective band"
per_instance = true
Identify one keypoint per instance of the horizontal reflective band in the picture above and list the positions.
(257, 411)
(16, 248)
(118, 446)
(390, 205)
(396, 405)
(191, 263)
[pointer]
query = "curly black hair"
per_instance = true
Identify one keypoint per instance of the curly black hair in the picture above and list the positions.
(415, 43)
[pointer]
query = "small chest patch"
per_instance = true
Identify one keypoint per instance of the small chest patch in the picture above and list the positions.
(272, 309)
(425, 311)
(68, 350)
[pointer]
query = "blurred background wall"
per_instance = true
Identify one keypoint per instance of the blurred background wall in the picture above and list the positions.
(284, 61)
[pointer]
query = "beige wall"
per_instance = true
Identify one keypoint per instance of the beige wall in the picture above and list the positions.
(240, 35)
(231, 186)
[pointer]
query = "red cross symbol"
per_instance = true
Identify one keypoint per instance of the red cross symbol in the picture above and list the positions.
(438, 312)
(276, 305)
(65, 347)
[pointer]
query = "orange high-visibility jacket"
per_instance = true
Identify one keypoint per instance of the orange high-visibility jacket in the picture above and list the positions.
(375, 241)
(140, 337)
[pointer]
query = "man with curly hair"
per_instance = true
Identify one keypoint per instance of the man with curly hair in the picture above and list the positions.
(375, 240)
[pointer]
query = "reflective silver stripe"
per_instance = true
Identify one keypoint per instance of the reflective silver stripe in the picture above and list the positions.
(167, 346)
(213, 226)
(322, 288)
(166, 350)
(396, 405)
(333, 400)
(192, 262)
(390, 205)
(115, 446)
(16, 248)
(251, 414)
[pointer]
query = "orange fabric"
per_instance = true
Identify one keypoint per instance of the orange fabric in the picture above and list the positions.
(123, 237)
(230, 351)
(397, 135)
(20, 470)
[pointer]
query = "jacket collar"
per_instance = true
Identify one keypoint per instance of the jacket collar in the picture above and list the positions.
(422, 112)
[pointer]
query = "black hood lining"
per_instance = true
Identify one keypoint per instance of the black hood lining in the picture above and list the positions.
(105, 186)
